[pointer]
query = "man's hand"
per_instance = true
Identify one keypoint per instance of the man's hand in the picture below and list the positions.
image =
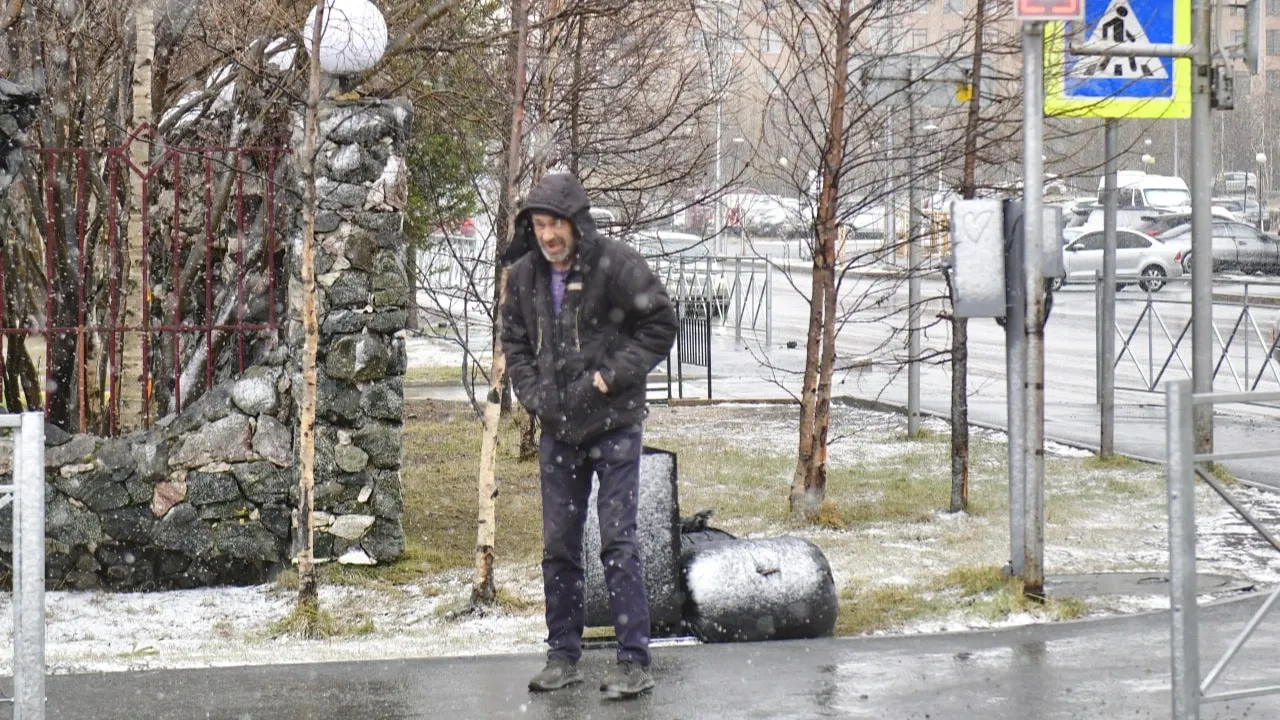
(599, 382)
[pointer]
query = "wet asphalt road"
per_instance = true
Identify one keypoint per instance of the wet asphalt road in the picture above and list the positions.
(1115, 668)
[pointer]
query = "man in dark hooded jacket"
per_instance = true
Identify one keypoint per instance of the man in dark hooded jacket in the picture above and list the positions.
(584, 322)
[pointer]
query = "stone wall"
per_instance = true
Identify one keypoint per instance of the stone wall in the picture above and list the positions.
(204, 498)
(17, 111)
(208, 496)
(363, 302)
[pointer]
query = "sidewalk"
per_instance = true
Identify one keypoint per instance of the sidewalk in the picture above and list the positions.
(1094, 669)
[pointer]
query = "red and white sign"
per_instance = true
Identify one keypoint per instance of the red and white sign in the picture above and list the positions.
(1037, 10)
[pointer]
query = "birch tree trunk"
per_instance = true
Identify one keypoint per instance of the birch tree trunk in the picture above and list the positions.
(308, 589)
(959, 325)
(551, 34)
(483, 590)
(808, 485)
(135, 297)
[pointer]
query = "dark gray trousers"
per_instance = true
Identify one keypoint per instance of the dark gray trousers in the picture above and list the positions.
(566, 488)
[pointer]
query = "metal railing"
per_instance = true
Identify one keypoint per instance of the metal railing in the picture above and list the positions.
(457, 272)
(738, 290)
(26, 494)
(1155, 347)
(1189, 691)
(209, 287)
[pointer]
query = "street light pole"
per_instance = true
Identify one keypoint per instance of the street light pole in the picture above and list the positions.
(1202, 334)
(913, 268)
(1262, 160)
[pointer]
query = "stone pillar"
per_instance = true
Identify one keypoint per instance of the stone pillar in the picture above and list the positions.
(363, 301)
(17, 112)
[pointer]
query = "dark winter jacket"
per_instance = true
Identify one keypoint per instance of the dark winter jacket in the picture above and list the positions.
(616, 318)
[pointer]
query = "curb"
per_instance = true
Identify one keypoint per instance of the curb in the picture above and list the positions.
(705, 402)
(1258, 300)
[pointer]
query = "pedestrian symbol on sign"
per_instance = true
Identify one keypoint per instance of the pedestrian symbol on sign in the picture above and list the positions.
(1119, 25)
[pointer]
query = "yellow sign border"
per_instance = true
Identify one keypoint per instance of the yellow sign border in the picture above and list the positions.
(1057, 103)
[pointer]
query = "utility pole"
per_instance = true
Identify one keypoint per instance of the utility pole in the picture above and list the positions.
(1201, 223)
(1033, 238)
(1107, 313)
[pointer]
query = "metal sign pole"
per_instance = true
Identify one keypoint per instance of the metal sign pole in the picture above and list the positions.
(1033, 226)
(1201, 222)
(1185, 637)
(1106, 316)
(1015, 338)
(29, 569)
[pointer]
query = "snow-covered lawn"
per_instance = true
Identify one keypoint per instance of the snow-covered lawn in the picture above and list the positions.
(1100, 518)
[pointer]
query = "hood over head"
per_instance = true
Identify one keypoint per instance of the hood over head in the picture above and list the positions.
(561, 195)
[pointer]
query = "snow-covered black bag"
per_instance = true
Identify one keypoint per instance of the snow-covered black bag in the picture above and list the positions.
(759, 589)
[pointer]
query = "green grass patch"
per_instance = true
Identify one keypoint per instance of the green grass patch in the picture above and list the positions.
(516, 605)
(434, 375)
(320, 624)
(745, 485)
(1220, 473)
(923, 434)
(441, 459)
(829, 516)
(1124, 487)
(1115, 462)
(863, 610)
(979, 590)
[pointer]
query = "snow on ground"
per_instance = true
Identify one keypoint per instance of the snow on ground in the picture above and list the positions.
(1127, 531)
(435, 352)
(233, 626)
(209, 627)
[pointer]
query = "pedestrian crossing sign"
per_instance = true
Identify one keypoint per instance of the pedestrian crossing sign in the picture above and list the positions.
(1114, 86)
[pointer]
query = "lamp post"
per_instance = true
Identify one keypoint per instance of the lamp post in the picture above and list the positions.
(353, 39)
(1261, 159)
(932, 128)
(719, 71)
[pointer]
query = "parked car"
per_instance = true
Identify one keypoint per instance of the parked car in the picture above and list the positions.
(686, 265)
(1137, 189)
(1089, 218)
(1158, 223)
(1137, 256)
(1237, 247)
(1245, 210)
(1236, 182)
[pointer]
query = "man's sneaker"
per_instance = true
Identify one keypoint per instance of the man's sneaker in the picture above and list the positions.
(558, 673)
(627, 679)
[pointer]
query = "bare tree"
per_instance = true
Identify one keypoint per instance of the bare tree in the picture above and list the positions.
(808, 484)
(483, 591)
(134, 393)
(888, 73)
(308, 588)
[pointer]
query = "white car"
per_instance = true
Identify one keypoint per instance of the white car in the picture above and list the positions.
(686, 266)
(1139, 258)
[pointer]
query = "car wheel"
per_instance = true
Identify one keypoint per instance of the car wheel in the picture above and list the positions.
(1186, 263)
(1152, 278)
(1055, 284)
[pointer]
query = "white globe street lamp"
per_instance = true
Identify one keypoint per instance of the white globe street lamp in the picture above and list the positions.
(353, 37)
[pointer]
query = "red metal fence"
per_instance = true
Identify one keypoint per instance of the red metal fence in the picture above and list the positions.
(224, 205)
